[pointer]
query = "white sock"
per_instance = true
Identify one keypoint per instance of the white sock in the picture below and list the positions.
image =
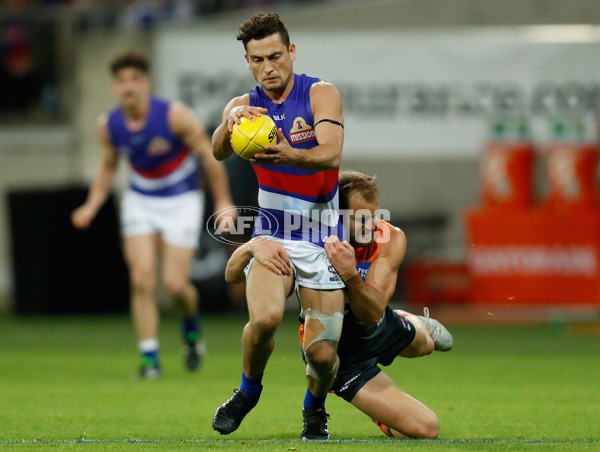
(148, 345)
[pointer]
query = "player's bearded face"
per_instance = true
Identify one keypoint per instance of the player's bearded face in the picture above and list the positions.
(362, 221)
(131, 86)
(271, 62)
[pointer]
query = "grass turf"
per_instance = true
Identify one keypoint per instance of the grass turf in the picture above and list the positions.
(69, 383)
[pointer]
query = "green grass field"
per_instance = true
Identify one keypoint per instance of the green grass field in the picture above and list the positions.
(68, 383)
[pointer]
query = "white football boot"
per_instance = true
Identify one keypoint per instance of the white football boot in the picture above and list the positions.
(442, 339)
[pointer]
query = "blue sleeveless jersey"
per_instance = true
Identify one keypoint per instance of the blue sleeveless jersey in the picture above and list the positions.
(160, 163)
(296, 204)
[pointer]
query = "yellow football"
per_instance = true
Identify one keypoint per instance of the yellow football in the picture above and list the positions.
(252, 135)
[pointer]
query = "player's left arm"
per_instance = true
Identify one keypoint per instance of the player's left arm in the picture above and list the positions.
(369, 298)
(326, 104)
(269, 253)
(193, 134)
(234, 271)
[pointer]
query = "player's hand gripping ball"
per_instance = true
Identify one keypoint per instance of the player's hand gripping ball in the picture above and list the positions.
(252, 135)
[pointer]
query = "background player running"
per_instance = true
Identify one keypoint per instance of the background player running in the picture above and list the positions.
(298, 187)
(372, 333)
(162, 209)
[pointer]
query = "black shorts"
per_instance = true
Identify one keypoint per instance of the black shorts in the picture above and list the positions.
(361, 349)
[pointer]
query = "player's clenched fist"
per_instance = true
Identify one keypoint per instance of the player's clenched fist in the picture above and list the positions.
(341, 256)
(82, 217)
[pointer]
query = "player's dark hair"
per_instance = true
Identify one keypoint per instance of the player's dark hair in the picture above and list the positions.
(353, 183)
(261, 25)
(130, 59)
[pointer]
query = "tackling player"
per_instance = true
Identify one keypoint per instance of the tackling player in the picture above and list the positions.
(372, 333)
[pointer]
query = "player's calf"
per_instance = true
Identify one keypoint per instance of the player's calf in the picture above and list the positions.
(422, 344)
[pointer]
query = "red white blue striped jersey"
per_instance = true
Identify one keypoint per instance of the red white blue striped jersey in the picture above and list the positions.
(160, 163)
(296, 204)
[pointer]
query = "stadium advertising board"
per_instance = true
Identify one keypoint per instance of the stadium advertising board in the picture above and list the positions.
(407, 93)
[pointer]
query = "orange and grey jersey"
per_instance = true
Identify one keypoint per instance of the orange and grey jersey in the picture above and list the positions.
(365, 256)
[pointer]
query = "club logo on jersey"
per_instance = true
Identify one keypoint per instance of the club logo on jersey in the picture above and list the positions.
(363, 268)
(158, 146)
(334, 277)
(301, 131)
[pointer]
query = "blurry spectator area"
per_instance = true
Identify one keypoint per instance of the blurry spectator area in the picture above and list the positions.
(58, 269)
(147, 14)
(132, 14)
(37, 36)
(29, 64)
(150, 14)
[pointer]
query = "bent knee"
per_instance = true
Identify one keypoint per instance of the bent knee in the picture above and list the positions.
(175, 286)
(266, 324)
(142, 281)
(429, 428)
(322, 355)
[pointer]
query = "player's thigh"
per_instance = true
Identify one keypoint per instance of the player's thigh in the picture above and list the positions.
(382, 400)
(266, 293)
(176, 262)
(179, 219)
(141, 255)
(326, 301)
(137, 215)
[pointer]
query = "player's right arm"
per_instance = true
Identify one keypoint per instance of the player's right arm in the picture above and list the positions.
(83, 216)
(368, 298)
(236, 108)
(269, 253)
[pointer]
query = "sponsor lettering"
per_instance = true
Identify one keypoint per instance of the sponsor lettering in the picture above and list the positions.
(533, 260)
(298, 137)
(347, 384)
(482, 97)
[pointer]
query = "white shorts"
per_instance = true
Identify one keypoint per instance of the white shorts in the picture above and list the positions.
(311, 267)
(176, 218)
